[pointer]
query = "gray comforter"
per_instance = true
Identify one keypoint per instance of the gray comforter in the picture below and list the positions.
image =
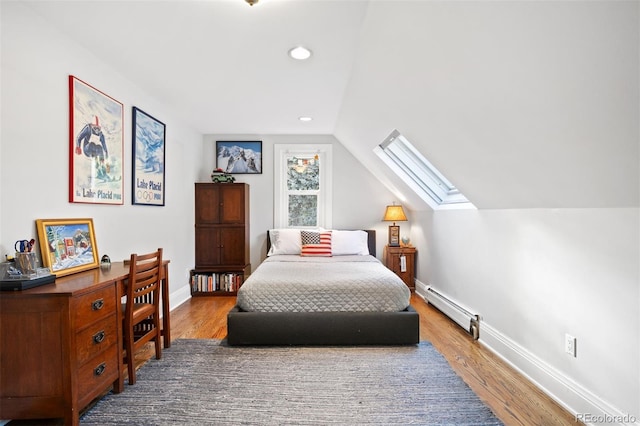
(289, 283)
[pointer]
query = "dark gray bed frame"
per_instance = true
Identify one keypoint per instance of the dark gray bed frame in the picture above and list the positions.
(324, 328)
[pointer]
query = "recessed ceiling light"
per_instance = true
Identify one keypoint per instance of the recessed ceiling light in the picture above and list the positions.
(300, 53)
(305, 118)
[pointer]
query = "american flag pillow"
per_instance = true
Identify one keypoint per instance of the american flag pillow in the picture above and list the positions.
(310, 237)
(322, 249)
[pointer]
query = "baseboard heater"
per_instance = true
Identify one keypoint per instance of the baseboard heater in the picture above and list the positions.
(467, 320)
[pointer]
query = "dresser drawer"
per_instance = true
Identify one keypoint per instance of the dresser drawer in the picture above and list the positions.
(90, 307)
(98, 373)
(96, 338)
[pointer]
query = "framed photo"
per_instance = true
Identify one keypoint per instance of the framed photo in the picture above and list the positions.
(67, 246)
(147, 184)
(239, 157)
(96, 138)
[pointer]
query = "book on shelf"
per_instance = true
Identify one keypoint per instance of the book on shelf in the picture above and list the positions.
(211, 282)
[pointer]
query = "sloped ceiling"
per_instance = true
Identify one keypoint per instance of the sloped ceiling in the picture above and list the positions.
(520, 104)
(222, 63)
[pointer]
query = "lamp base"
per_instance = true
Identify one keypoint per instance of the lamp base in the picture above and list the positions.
(394, 235)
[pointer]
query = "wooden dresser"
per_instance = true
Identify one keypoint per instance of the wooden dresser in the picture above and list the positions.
(59, 347)
(60, 344)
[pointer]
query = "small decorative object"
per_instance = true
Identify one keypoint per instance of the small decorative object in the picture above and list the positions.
(105, 262)
(394, 214)
(406, 240)
(220, 176)
(26, 262)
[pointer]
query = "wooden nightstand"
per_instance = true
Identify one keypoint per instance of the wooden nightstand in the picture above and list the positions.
(392, 258)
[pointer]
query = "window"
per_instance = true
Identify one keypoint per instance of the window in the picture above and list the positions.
(414, 169)
(302, 186)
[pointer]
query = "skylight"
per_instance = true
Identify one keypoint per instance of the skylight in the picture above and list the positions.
(414, 169)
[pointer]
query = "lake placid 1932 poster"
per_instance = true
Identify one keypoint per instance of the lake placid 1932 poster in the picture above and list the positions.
(96, 145)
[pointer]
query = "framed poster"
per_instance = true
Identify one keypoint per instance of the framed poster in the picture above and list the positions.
(148, 159)
(239, 157)
(67, 245)
(96, 144)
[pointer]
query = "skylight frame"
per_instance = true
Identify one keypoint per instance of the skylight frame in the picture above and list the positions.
(419, 174)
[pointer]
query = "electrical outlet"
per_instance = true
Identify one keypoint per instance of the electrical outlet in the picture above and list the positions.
(570, 345)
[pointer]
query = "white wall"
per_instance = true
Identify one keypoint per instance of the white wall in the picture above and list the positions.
(34, 149)
(537, 274)
(358, 199)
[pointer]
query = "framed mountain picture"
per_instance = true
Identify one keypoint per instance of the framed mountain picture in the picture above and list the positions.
(239, 157)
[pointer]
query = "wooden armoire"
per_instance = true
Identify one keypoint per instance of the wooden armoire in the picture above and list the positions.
(222, 255)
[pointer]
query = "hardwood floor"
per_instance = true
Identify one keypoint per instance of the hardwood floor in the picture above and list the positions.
(511, 397)
(514, 399)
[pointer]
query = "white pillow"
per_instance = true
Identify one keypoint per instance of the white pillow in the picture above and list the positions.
(285, 241)
(349, 243)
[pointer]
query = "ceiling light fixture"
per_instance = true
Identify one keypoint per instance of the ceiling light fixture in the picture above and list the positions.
(251, 2)
(305, 118)
(300, 53)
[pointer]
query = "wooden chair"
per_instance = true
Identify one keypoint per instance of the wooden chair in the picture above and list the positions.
(141, 311)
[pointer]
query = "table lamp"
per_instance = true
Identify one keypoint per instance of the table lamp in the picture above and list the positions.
(394, 214)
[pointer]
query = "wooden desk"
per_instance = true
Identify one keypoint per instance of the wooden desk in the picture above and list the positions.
(61, 344)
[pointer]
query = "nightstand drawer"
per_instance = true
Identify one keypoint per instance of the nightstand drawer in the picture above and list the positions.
(96, 338)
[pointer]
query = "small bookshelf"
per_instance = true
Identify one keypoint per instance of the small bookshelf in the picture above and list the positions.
(215, 283)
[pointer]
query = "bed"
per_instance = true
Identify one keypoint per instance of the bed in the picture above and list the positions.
(344, 297)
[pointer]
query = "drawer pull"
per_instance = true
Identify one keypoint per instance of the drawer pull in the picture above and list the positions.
(99, 369)
(98, 337)
(97, 305)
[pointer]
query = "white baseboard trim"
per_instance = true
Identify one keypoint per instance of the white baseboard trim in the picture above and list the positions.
(421, 289)
(180, 296)
(579, 401)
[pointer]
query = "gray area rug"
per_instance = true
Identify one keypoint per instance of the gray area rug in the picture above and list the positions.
(206, 382)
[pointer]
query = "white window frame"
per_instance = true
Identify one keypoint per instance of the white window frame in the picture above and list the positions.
(419, 174)
(281, 192)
